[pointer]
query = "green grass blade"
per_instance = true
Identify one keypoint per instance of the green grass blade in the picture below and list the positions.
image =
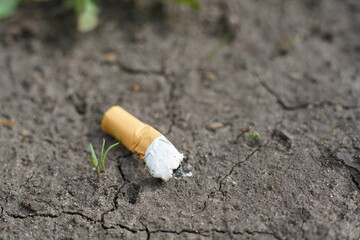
(332, 129)
(7, 8)
(225, 40)
(102, 148)
(93, 157)
(103, 158)
(102, 164)
(194, 4)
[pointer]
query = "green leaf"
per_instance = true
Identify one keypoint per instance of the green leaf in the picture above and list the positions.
(93, 157)
(194, 4)
(254, 134)
(102, 148)
(102, 163)
(104, 156)
(87, 15)
(7, 8)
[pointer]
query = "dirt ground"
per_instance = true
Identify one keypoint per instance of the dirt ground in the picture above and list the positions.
(291, 70)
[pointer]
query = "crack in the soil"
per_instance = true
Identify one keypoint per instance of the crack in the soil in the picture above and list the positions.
(205, 203)
(148, 233)
(227, 175)
(116, 197)
(122, 226)
(279, 101)
(331, 157)
(2, 211)
(205, 233)
(349, 168)
(145, 229)
(356, 183)
(209, 232)
(83, 216)
(122, 174)
(302, 106)
(50, 215)
(262, 233)
(46, 215)
(237, 165)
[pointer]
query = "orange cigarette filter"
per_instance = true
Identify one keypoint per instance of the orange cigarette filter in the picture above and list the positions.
(160, 156)
(130, 131)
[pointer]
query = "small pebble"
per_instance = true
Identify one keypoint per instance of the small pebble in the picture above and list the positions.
(210, 75)
(25, 133)
(187, 117)
(214, 126)
(6, 122)
(135, 88)
(227, 109)
(110, 57)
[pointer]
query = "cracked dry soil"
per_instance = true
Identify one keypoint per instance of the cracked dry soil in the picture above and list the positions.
(291, 71)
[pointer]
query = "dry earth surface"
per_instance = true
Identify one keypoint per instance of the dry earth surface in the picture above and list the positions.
(291, 70)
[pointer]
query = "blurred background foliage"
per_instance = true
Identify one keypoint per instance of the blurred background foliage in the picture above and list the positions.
(87, 11)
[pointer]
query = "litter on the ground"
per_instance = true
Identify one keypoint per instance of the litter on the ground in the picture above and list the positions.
(159, 154)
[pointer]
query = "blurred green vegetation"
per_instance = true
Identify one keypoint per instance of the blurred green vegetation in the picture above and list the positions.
(7, 7)
(192, 3)
(87, 11)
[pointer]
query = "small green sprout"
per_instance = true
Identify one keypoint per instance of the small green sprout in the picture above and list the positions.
(225, 40)
(286, 44)
(332, 129)
(254, 134)
(100, 165)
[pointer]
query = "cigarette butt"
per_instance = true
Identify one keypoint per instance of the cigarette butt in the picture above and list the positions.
(130, 131)
(160, 156)
(6, 122)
